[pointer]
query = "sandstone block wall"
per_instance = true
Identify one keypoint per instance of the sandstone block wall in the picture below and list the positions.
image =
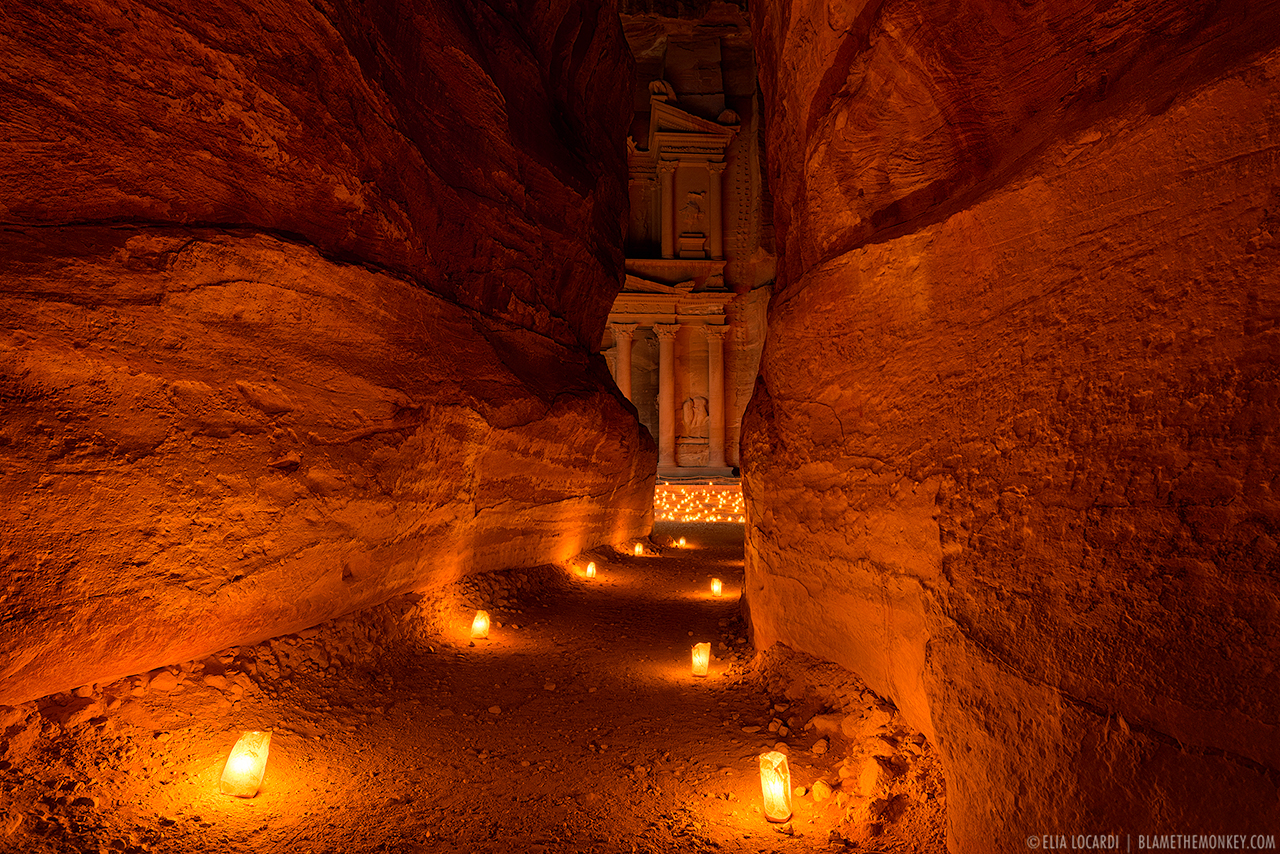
(1012, 458)
(297, 304)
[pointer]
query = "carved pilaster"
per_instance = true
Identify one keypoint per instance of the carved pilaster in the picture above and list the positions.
(666, 333)
(715, 210)
(667, 177)
(715, 391)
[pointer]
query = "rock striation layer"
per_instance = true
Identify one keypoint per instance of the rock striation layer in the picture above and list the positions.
(1012, 457)
(294, 302)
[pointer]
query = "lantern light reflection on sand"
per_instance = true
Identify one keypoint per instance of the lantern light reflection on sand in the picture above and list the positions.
(701, 658)
(717, 587)
(247, 762)
(480, 625)
(591, 569)
(775, 782)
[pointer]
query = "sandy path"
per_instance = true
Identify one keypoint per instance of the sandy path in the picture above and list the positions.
(576, 727)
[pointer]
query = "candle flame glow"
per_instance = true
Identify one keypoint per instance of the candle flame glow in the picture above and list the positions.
(701, 658)
(775, 783)
(247, 763)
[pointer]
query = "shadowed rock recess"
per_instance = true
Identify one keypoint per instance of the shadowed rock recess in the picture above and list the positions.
(296, 312)
(1012, 457)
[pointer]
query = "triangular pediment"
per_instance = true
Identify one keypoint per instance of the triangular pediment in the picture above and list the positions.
(670, 118)
(638, 285)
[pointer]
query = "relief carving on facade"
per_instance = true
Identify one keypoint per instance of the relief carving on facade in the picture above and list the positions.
(694, 418)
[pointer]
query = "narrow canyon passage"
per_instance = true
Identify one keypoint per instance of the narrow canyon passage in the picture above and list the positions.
(576, 726)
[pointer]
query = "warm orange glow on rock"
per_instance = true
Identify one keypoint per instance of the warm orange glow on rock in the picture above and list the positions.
(591, 570)
(701, 658)
(242, 775)
(775, 782)
(480, 625)
(717, 587)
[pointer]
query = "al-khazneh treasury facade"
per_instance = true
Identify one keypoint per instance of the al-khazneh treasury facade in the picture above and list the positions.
(685, 335)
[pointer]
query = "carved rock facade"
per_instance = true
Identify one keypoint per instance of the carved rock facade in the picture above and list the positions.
(685, 335)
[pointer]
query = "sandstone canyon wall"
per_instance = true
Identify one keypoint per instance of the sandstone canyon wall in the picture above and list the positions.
(1012, 457)
(298, 309)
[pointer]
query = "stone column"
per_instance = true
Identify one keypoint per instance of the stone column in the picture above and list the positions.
(667, 172)
(715, 392)
(622, 333)
(666, 333)
(715, 212)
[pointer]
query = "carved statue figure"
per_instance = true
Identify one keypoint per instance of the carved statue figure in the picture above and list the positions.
(691, 215)
(694, 411)
(663, 90)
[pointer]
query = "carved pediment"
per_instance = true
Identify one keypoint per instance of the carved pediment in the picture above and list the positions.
(669, 124)
(667, 116)
(637, 285)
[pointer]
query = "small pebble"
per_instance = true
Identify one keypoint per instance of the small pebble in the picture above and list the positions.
(550, 686)
(495, 710)
(819, 747)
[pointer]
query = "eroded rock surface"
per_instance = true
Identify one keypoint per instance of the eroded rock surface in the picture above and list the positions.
(1012, 458)
(294, 303)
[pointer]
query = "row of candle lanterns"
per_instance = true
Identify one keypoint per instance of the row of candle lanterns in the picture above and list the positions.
(775, 775)
(694, 504)
(246, 765)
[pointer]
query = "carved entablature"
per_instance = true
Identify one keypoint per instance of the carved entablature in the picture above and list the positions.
(690, 309)
(680, 215)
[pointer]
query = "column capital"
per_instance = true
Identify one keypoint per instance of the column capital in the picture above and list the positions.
(624, 330)
(668, 166)
(716, 166)
(666, 331)
(713, 331)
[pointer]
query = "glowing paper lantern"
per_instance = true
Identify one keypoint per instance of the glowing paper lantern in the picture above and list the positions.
(639, 550)
(591, 569)
(701, 658)
(682, 542)
(480, 625)
(242, 775)
(717, 587)
(775, 782)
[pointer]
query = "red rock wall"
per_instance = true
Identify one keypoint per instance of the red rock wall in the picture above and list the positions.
(294, 300)
(1013, 457)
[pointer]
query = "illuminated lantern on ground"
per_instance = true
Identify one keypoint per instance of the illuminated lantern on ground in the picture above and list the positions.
(480, 625)
(716, 587)
(683, 543)
(775, 782)
(242, 775)
(591, 569)
(701, 658)
(639, 550)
